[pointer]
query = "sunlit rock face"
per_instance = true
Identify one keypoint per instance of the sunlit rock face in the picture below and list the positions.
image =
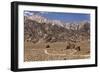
(40, 29)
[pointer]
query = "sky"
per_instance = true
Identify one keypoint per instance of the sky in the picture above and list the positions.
(64, 17)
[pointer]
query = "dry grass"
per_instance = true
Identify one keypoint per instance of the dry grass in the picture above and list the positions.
(56, 51)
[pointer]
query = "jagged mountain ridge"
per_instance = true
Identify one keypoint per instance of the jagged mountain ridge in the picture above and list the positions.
(39, 29)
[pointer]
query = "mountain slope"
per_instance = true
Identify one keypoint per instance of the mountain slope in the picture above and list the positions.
(39, 29)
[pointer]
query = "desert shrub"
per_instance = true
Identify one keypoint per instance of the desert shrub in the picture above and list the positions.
(47, 46)
(78, 48)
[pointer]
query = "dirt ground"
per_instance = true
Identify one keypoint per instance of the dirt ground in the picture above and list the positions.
(55, 51)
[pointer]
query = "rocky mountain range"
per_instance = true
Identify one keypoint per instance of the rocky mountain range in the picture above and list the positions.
(39, 29)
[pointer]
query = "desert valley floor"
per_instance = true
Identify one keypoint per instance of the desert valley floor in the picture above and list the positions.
(55, 51)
